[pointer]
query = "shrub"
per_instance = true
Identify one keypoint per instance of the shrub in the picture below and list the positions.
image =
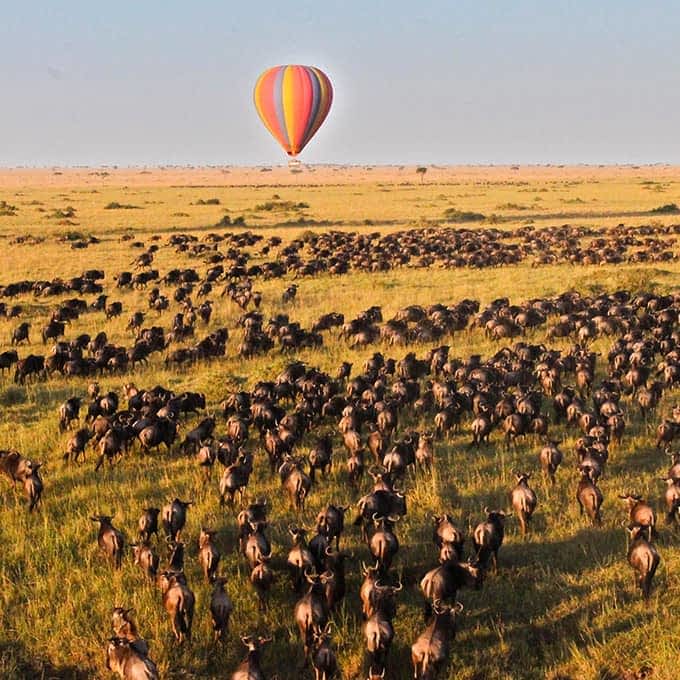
(7, 210)
(114, 205)
(668, 209)
(65, 214)
(455, 215)
(72, 235)
(282, 206)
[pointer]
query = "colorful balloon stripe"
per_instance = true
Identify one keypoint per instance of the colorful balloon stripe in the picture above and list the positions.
(293, 101)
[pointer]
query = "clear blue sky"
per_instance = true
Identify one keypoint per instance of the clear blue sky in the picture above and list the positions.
(419, 81)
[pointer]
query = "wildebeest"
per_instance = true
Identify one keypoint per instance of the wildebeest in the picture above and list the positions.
(69, 411)
(431, 650)
(249, 668)
(33, 486)
(124, 626)
(8, 359)
(550, 458)
(33, 364)
(589, 497)
(488, 537)
(672, 498)
(145, 559)
(20, 333)
(523, 500)
(639, 511)
(121, 658)
(162, 431)
(642, 556)
(383, 502)
(384, 544)
(15, 466)
(208, 554)
(178, 601)
(220, 607)
(378, 628)
(442, 583)
(148, 523)
(296, 482)
(174, 517)
(111, 541)
(76, 445)
(311, 611)
(324, 661)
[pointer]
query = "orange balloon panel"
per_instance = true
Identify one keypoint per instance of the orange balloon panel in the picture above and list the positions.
(293, 102)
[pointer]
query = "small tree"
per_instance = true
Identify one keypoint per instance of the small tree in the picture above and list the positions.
(421, 170)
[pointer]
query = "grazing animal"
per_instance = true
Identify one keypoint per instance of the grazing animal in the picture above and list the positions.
(589, 497)
(672, 498)
(220, 608)
(384, 544)
(295, 482)
(300, 559)
(123, 659)
(445, 532)
(174, 517)
(488, 535)
(124, 626)
(68, 411)
(249, 668)
(15, 466)
(20, 333)
(431, 650)
(324, 661)
(442, 583)
(523, 500)
(77, 444)
(378, 628)
(178, 601)
(111, 541)
(550, 458)
(367, 588)
(262, 578)
(331, 522)
(208, 555)
(33, 486)
(639, 511)
(311, 611)
(148, 523)
(146, 559)
(643, 557)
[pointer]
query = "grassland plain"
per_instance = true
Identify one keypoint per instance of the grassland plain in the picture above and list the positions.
(562, 604)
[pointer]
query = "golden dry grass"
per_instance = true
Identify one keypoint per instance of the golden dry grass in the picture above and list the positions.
(562, 605)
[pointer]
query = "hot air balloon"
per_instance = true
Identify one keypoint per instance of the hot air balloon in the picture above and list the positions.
(293, 102)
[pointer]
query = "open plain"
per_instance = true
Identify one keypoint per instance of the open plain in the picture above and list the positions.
(562, 602)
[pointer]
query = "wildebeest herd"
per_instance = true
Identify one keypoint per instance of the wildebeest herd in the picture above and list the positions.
(380, 427)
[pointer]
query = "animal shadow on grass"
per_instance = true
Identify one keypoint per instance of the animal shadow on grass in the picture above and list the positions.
(25, 664)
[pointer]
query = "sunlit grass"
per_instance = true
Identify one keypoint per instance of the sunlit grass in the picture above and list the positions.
(562, 604)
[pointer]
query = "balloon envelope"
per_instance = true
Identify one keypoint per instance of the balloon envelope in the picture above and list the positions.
(293, 102)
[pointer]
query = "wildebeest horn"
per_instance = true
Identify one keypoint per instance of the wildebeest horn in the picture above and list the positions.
(458, 607)
(486, 509)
